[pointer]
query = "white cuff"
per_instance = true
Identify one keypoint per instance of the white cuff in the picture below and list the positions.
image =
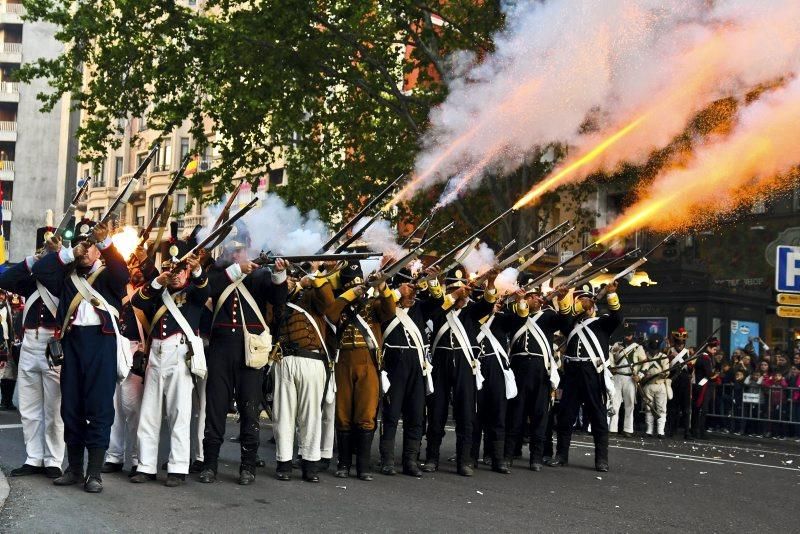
(279, 277)
(66, 255)
(197, 272)
(156, 285)
(234, 272)
(105, 243)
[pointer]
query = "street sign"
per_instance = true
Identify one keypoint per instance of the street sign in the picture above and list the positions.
(787, 269)
(788, 299)
(790, 312)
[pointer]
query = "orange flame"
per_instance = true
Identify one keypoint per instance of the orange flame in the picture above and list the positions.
(561, 177)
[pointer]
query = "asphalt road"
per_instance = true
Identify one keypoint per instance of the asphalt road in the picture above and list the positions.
(654, 486)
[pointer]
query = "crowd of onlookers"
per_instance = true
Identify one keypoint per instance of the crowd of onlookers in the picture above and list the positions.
(757, 395)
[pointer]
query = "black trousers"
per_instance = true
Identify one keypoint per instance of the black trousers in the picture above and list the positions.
(88, 381)
(532, 405)
(452, 378)
(679, 408)
(492, 405)
(582, 385)
(406, 395)
(228, 376)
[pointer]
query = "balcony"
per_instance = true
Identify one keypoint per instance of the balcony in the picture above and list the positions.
(11, 53)
(190, 221)
(6, 210)
(8, 131)
(11, 13)
(9, 92)
(6, 171)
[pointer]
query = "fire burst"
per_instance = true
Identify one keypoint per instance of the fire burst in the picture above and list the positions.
(560, 178)
(126, 241)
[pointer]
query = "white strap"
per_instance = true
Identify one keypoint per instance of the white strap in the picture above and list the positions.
(578, 327)
(88, 292)
(28, 305)
(252, 302)
(311, 320)
(50, 302)
(224, 296)
(678, 359)
(457, 328)
(173, 309)
(593, 348)
(416, 336)
(198, 358)
(533, 328)
(368, 330)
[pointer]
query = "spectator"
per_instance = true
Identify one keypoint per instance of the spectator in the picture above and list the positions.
(782, 363)
(776, 403)
(738, 422)
(794, 382)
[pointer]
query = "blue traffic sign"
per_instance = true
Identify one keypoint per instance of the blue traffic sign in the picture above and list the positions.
(787, 270)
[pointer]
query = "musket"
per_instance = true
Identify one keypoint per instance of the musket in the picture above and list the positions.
(574, 277)
(391, 270)
(604, 268)
(226, 210)
(530, 246)
(632, 267)
(541, 252)
(144, 234)
(127, 191)
(62, 225)
(220, 230)
(551, 272)
(419, 248)
(357, 217)
(425, 225)
(468, 240)
(697, 354)
(266, 258)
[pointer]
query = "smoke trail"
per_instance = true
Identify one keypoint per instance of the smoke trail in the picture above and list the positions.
(506, 281)
(479, 260)
(380, 237)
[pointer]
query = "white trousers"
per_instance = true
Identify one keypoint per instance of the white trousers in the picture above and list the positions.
(168, 387)
(624, 392)
(127, 405)
(299, 384)
(328, 430)
(39, 400)
(199, 417)
(656, 395)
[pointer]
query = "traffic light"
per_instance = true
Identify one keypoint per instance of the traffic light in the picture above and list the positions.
(69, 231)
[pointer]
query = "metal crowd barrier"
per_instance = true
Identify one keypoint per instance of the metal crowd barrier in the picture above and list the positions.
(755, 409)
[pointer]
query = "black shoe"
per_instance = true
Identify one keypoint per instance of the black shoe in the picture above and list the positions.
(207, 476)
(627, 434)
(345, 440)
(246, 477)
(111, 467)
(310, 471)
(536, 467)
(343, 471)
(363, 454)
(661, 436)
(366, 477)
(410, 455)
(134, 469)
(388, 470)
(324, 464)
(430, 466)
(52, 472)
(557, 461)
(465, 470)
(93, 484)
(284, 471)
(140, 478)
(499, 463)
(196, 467)
(174, 480)
(260, 462)
(601, 467)
(69, 478)
(28, 469)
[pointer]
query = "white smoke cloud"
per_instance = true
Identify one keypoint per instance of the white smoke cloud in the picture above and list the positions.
(506, 281)
(479, 260)
(381, 237)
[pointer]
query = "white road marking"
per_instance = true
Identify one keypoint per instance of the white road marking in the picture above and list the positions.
(715, 445)
(685, 456)
(676, 457)
(5, 427)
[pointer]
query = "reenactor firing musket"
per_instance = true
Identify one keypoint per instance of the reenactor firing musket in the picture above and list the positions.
(603, 268)
(416, 251)
(553, 271)
(529, 247)
(357, 217)
(265, 258)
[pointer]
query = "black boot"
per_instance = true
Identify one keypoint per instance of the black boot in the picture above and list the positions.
(601, 452)
(74, 472)
(247, 474)
(431, 464)
(309, 471)
(344, 439)
(537, 454)
(386, 448)
(364, 454)
(94, 482)
(323, 464)
(209, 472)
(499, 464)
(464, 458)
(284, 471)
(561, 457)
(7, 393)
(410, 454)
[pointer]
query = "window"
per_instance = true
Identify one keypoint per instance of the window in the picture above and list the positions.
(100, 175)
(140, 211)
(275, 177)
(140, 159)
(192, 3)
(142, 122)
(180, 203)
(184, 147)
(166, 155)
(156, 160)
(117, 170)
(155, 201)
(85, 174)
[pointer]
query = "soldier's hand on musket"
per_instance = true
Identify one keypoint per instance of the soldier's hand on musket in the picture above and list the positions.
(386, 259)
(315, 266)
(100, 232)
(281, 265)
(248, 266)
(193, 262)
(359, 291)
(53, 244)
(519, 295)
(164, 278)
(377, 279)
(306, 282)
(560, 292)
(612, 287)
(433, 272)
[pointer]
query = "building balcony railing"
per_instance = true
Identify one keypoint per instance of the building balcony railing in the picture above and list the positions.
(7, 210)
(11, 13)
(9, 92)
(8, 130)
(11, 53)
(7, 170)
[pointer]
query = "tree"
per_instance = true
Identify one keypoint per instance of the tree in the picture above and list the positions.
(318, 82)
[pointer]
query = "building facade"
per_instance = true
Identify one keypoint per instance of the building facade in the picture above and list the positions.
(33, 168)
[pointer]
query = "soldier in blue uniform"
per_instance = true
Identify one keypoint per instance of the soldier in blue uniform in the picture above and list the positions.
(89, 280)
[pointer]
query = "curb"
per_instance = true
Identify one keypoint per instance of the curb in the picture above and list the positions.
(4, 489)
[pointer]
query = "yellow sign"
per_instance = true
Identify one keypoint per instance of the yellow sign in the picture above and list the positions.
(790, 312)
(788, 299)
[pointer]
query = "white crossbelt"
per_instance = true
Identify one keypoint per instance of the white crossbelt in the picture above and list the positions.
(455, 326)
(595, 351)
(502, 357)
(50, 302)
(532, 327)
(198, 357)
(402, 317)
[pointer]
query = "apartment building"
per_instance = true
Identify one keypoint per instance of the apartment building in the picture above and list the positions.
(32, 166)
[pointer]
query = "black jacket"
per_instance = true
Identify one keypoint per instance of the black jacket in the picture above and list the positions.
(18, 279)
(190, 300)
(603, 328)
